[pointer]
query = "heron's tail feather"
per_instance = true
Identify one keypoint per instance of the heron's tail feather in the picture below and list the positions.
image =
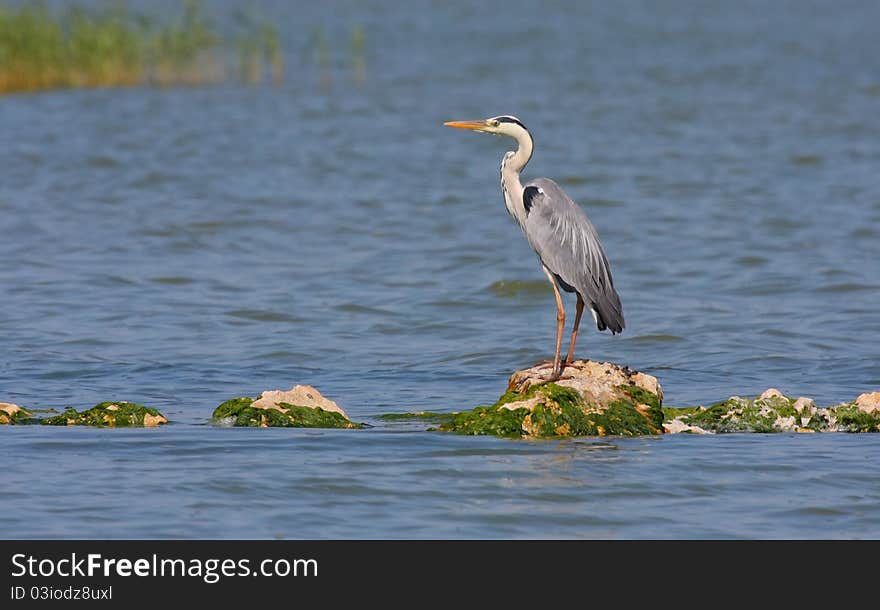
(609, 314)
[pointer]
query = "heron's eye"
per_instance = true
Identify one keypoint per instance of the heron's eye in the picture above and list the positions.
(494, 123)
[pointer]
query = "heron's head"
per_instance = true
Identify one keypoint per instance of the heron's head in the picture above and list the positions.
(504, 125)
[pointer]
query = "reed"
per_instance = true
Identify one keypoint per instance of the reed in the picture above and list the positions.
(113, 47)
(358, 55)
(329, 61)
(259, 49)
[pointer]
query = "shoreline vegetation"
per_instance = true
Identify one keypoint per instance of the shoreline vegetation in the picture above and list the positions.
(115, 47)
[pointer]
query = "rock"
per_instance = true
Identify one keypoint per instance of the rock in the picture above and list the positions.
(676, 426)
(805, 406)
(529, 403)
(774, 412)
(301, 395)
(860, 415)
(869, 402)
(786, 424)
(590, 399)
(109, 414)
(771, 393)
(12, 414)
(738, 414)
(598, 381)
(302, 406)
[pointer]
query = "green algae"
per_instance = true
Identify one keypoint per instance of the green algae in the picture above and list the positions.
(559, 412)
(287, 416)
(428, 416)
(69, 417)
(734, 415)
(620, 418)
(852, 419)
(670, 413)
(21, 417)
(818, 421)
(783, 406)
(316, 417)
(516, 396)
(107, 414)
(775, 414)
(494, 421)
(641, 396)
(232, 407)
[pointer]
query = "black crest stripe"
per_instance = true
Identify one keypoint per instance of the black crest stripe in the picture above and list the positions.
(509, 119)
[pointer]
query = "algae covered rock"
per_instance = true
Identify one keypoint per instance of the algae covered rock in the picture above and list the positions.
(589, 399)
(109, 414)
(302, 406)
(13, 414)
(772, 411)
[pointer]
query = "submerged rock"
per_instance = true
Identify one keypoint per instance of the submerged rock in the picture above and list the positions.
(302, 406)
(590, 399)
(677, 426)
(13, 414)
(772, 411)
(109, 414)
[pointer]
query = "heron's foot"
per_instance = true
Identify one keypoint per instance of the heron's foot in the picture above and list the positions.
(551, 364)
(556, 367)
(533, 381)
(554, 374)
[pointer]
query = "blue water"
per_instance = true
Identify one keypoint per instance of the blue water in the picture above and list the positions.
(179, 247)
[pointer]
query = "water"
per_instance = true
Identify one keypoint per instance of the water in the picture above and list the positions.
(180, 247)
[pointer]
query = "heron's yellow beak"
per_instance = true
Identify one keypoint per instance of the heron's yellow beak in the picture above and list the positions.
(475, 125)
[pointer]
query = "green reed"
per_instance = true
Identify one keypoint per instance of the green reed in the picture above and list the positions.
(112, 47)
(319, 51)
(259, 49)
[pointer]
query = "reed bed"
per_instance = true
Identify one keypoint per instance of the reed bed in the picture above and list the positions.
(113, 47)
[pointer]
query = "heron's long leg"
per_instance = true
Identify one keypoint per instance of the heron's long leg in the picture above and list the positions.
(560, 324)
(574, 332)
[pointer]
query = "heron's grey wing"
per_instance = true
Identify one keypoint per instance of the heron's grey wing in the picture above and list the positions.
(567, 244)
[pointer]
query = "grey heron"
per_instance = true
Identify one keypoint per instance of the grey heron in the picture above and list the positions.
(559, 231)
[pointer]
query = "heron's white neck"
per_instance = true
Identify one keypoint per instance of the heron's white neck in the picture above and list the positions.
(511, 165)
